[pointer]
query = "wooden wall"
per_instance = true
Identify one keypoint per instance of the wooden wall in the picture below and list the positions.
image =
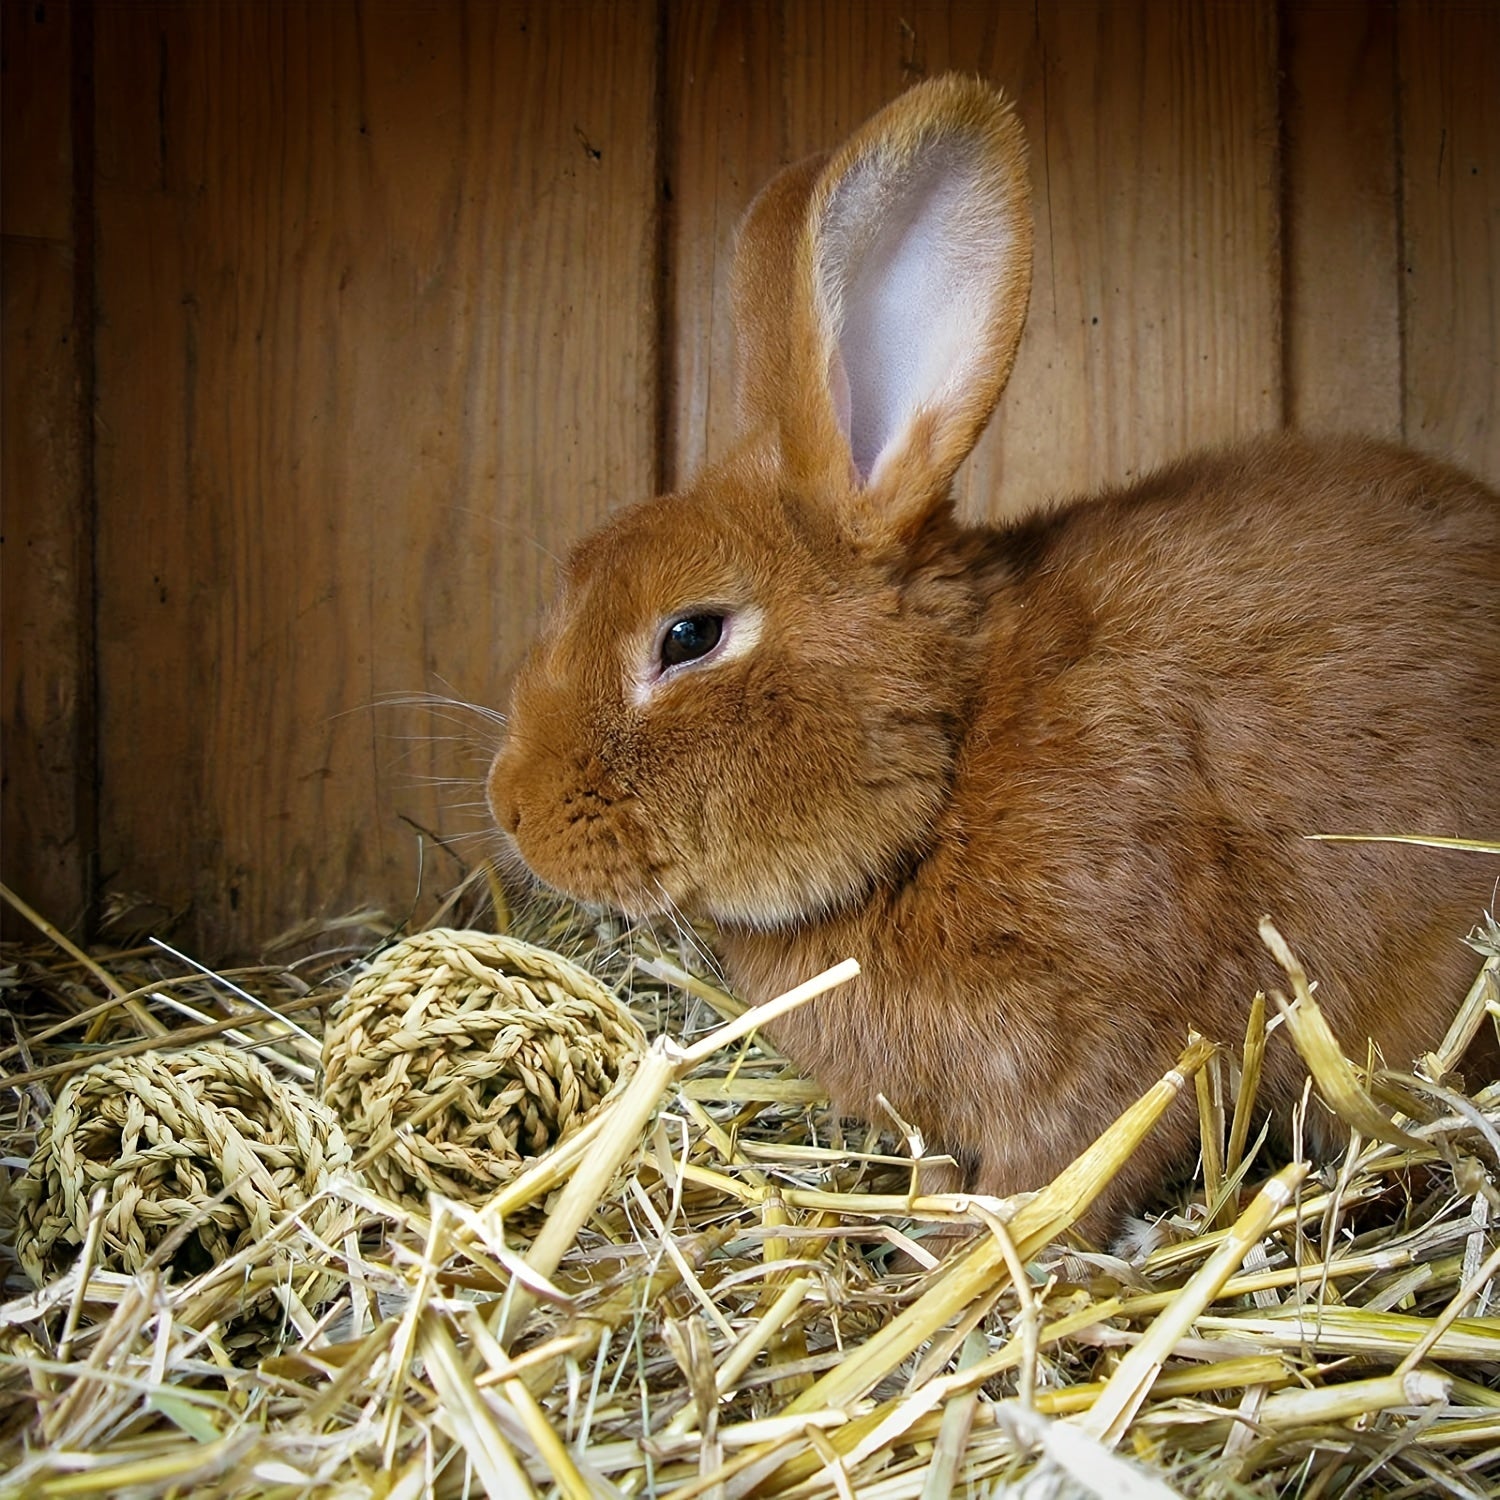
(327, 325)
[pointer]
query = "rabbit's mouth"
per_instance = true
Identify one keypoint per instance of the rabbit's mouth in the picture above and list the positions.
(606, 851)
(589, 866)
(591, 842)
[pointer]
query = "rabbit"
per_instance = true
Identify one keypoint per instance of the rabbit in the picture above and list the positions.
(1041, 779)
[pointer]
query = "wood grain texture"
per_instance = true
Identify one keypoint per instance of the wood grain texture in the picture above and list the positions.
(47, 836)
(724, 135)
(1342, 229)
(376, 340)
(1154, 323)
(395, 299)
(1450, 187)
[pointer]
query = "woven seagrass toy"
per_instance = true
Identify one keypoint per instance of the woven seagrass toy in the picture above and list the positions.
(458, 1056)
(205, 1141)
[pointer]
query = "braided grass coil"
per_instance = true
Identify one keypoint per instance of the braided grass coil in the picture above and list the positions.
(458, 1056)
(203, 1145)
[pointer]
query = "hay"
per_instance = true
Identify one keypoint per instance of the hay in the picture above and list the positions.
(719, 1315)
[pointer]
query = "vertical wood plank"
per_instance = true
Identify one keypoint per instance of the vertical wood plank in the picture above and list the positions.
(1342, 236)
(1154, 322)
(47, 835)
(724, 134)
(376, 340)
(1450, 184)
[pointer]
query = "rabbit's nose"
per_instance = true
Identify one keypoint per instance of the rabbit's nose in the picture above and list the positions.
(502, 797)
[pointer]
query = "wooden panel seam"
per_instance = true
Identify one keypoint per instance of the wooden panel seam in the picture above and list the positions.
(85, 324)
(48, 842)
(1398, 198)
(664, 166)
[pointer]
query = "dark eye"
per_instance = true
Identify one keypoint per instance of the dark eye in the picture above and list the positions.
(688, 639)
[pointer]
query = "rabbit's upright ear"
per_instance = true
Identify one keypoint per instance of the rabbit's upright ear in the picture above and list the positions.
(880, 297)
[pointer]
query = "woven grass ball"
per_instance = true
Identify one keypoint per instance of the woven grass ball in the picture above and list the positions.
(489, 1050)
(164, 1134)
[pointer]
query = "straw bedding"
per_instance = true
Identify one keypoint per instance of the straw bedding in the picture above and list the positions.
(703, 1289)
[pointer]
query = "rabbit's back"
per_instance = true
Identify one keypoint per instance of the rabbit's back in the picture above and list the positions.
(1301, 630)
(1279, 641)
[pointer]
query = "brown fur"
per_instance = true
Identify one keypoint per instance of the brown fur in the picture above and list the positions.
(1041, 781)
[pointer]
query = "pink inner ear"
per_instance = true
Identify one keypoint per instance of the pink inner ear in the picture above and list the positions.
(909, 256)
(838, 392)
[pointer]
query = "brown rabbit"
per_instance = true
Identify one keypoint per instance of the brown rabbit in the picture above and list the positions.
(1040, 780)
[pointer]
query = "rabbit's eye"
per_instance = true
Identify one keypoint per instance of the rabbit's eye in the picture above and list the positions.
(689, 638)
